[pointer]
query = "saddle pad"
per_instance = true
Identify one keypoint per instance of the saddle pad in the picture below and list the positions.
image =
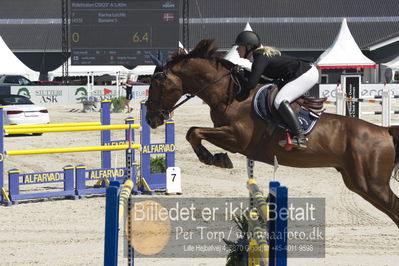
(306, 118)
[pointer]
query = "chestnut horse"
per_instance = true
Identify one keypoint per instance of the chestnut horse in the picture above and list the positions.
(365, 154)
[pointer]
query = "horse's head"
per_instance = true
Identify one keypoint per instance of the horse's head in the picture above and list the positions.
(184, 73)
(164, 92)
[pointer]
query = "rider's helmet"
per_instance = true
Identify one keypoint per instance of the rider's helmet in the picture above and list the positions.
(248, 38)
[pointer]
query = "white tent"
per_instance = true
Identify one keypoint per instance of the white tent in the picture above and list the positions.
(142, 70)
(344, 52)
(233, 56)
(90, 70)
(181, 46)
(394, 64)
(83, 70)
(10, 64)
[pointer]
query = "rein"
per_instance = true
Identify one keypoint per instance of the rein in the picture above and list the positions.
(188, 97)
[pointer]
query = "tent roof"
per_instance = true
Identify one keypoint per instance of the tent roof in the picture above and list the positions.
(143, 70)
(394, 63)
(10, 64)
(82, 70)
(344, 52)
(103, 70)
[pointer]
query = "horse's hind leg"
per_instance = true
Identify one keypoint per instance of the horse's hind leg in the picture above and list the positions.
(373, 186)
(221, 137)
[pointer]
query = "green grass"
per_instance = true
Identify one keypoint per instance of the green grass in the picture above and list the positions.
(118, 104)
(158, 164)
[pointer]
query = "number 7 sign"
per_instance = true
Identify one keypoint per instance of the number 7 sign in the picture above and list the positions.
(173, 180)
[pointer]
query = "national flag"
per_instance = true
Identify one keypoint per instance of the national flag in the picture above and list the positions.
(168, 16)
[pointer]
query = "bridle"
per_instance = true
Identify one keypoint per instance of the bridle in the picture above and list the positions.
(163, 75)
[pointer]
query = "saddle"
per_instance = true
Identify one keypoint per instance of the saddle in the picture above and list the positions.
(313, 105)
(307, 109)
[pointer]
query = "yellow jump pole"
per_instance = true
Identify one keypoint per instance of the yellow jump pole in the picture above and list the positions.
(260, 201)
(259, 235)
(72, 149)
(52, 125)
(124, 196)
(70, 129)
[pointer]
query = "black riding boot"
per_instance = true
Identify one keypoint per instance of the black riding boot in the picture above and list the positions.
(289, 117)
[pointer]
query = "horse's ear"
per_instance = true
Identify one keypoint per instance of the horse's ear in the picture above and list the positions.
(205, 48)
(212, 48)
(161, 58)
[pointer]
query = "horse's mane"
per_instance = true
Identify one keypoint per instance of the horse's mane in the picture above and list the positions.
(205, 49)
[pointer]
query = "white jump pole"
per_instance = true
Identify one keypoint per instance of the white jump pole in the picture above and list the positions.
(340, 99)
(118, 94)
(386, 106)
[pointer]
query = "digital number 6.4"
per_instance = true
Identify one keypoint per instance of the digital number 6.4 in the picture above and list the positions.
(140, 37)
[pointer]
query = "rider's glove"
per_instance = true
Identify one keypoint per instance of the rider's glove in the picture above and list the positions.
(237, 69)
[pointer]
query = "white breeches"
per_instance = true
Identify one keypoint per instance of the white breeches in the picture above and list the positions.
(296, 88)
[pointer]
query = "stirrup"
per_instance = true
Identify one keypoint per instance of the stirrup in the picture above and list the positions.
(301, 142)
(298, 142)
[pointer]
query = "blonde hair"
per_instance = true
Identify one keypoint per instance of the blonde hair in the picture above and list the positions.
(269, 51)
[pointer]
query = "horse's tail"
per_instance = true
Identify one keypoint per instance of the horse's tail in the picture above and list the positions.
(394, 132)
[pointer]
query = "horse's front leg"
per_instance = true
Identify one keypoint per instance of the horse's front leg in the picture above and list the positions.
(222, 137)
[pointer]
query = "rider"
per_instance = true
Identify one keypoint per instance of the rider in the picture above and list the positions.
(298, 75)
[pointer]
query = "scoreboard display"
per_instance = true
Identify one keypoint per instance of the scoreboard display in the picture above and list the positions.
(122, 32)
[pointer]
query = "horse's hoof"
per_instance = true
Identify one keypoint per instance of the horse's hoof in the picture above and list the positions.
(222, 160)
(204, 155)
(208, 160)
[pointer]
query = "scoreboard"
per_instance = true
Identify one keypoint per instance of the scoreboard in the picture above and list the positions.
(122, 32)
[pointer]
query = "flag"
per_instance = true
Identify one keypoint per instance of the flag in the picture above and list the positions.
(168, 16)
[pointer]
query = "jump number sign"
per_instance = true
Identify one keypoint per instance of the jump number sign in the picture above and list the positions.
(173, 180)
